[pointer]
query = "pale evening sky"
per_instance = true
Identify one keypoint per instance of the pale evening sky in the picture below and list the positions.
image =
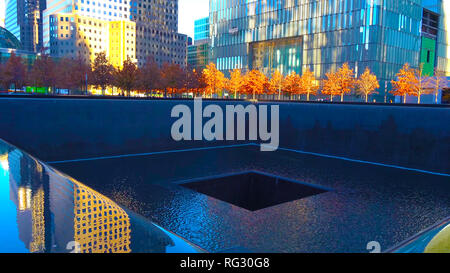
(189, 11)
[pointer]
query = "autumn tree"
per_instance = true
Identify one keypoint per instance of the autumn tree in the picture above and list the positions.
(214, 79)
(419, 84)
(308, 84)
(236, 82)
(149, 76)
(367, 84)
(102, 72)
(404, 84)
(172, 78)
(345, 80)
(80, 74)
(14, 72)
(194, 81)
(125, 78)
(436, 83)
(255, 83)
(43, 72)
(291, 83)
(71, 74)
(276, 83)
(331, 86)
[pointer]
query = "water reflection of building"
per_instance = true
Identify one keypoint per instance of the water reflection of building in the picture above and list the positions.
(100, 225)
(52, 213)
(27, 191)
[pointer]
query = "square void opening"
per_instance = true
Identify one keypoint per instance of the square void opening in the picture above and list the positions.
(253, 190)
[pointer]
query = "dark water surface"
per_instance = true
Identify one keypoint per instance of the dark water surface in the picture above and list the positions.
(365, 202)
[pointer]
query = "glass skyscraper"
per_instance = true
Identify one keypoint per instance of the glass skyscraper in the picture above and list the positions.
(197, 56)
(290, 35)
(24, 20)
(11, 20)
(201, 29)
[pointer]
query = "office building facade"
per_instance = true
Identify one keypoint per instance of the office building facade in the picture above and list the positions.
(291, 35)
(76, 36)
(156, 24)
(198, 53)
(105, 10)
(157, 32)
(24, 20)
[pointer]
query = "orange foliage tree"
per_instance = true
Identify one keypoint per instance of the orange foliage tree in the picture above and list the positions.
(345, 80)
(291, 83)
(367, 84)
(235, 83)
(255, 83)
(308, 84)
(214, 79)
(405, 82)
(331, 85)
(419, 84)
(276, 83)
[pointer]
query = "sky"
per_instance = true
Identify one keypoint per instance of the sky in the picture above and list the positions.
(189, 11)
(2, 11)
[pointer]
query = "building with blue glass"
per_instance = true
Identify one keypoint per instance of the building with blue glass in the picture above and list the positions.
(201, 29)
(197, 55)
(24, 20)
(11, 19)
(9, 44)
(290, 35)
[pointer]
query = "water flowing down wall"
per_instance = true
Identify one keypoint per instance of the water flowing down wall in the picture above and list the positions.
(71, 128)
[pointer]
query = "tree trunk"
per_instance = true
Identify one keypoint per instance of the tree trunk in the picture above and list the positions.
(367, 98)
(307, 97)
(331, 98)
(436, 95)
(342, 97)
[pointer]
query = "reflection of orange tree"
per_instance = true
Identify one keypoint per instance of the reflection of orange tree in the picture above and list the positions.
(100, 225)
